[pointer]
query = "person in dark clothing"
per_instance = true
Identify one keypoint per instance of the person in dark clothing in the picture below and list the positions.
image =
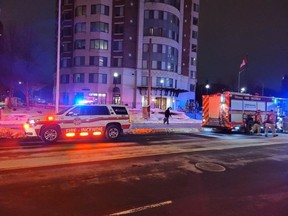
(167, 114)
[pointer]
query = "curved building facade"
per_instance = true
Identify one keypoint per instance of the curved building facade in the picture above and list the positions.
(137, 53)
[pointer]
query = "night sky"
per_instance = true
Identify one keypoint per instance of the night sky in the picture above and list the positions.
(228, 30)
(37, 16)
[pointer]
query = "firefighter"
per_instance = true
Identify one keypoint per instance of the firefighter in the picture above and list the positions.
(257, 123)
(248, 123)
(269, 122)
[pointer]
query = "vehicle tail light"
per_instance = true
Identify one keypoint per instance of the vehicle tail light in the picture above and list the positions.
(50, 118)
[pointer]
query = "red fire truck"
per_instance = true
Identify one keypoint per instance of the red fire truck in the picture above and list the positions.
(231, 110)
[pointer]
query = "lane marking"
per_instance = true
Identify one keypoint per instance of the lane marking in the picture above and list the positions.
(134, 210)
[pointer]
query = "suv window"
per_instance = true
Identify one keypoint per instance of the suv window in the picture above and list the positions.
(120, 110)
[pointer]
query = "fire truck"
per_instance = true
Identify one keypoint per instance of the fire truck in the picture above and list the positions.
(229, 111)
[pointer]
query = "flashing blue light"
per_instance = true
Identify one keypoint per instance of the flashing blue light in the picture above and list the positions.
(81, 102)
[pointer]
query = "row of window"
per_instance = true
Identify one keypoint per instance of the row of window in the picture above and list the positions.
(161, 15)
(174, 3)
(98, 44)
(117, 61)
(161, 65)
(160, 32)
(160, 82)
(95, 9)
(98, 61)
(79, 78)
(94, 27)
(100, 78)
(117, 45)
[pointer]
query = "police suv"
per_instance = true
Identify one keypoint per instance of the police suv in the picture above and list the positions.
(89, 120)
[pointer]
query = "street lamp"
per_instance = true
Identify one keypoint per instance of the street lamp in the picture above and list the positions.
(161, 82)
(243, 89)
(207, 86)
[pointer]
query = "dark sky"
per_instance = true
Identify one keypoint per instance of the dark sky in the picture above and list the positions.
(37, 16)
(228, 30)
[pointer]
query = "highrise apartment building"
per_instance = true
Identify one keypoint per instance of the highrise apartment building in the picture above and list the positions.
(110, 49)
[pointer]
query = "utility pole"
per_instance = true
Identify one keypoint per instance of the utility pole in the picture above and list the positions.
(149, 76)
(57, 87)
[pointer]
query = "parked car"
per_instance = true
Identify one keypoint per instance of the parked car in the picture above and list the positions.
(89, 120)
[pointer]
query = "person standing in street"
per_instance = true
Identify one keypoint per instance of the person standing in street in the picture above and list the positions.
(167, 115)
(257, 123)
(270, 121)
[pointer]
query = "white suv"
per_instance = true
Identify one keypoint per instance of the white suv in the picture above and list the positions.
(80, 121)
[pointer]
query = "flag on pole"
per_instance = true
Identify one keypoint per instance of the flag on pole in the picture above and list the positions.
(244, 63)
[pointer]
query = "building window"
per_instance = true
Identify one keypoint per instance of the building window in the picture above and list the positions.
(119, 11)
(117, 79)
(194, 34)
(195, 21)
(79, 60)
(192, 87)
(78, 78)
(144, 64)
(99, 61)
(64, 78)
(78, 96)
(67, 62)
(100, 9)
(144, 81)
(98, 78)
(99, 44)
(68, 2)
(193, 61)
(79, 44)
(67, 15)
(67, 31)
(99, 27)
(80, 10)
(160, 81)
(65, 98)
(192, 74)
(194, 48)
(117, 61)
(118, 45)
(66, 47)
(80, 27)
(196, 7)
(119, 28)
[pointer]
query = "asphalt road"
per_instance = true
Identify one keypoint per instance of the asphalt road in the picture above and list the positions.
(160, 174)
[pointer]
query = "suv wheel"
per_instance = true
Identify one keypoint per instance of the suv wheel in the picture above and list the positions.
(50, 134)
(112, 132)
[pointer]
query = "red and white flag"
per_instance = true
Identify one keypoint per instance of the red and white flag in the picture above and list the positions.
(244, 63)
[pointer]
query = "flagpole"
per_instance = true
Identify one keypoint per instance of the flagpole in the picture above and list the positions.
(239, 81)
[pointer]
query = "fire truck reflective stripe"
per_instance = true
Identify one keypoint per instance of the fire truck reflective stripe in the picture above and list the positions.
(227, 117)
(205, 102)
